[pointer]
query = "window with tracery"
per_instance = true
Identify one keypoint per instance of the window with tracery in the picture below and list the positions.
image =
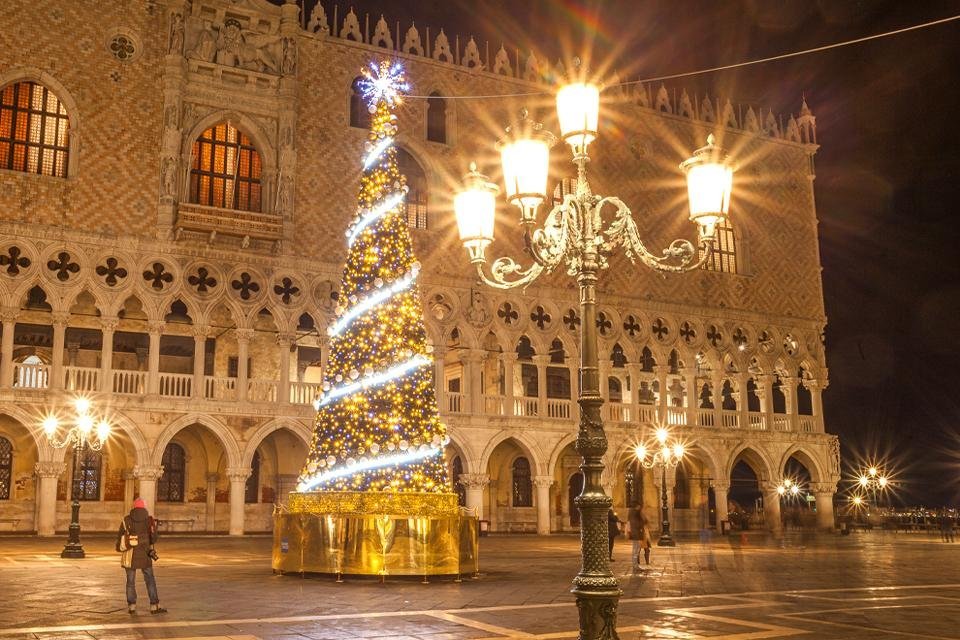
(522, 483)
(417, 189)
(252, 489)
(6, 468)
(170, 485)
(226, 170)
(436, 118)
(86, 481)
(33, 130)
(724, 255)
(359, 112)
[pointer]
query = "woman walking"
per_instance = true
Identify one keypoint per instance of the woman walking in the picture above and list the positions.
(639, 535)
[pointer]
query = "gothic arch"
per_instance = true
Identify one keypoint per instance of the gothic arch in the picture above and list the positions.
(567, 440)
(222, 432)
(462, 444)
(759, 462)
(299, 429)
(529, 448)
(805, 458)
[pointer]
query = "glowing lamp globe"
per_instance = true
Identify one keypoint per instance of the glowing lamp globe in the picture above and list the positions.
(578, 110)
(641, 452)
(103, 430)
(525, 158)
(781, 490)
(678, 451)
(662, 435)
(85, 424)
(709, 184)
(475, 207)
(82, 405)
(882, 481)
(50, 425)
(794, 489)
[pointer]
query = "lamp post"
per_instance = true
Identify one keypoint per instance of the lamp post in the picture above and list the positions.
(872, 480)
(574, 233)
(667, 453)
(87, 431)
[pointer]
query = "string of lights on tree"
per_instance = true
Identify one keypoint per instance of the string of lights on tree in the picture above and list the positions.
(377, 426)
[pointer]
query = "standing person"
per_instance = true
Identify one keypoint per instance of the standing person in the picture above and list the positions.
(138, 532)
(613, 528)
(639, 535)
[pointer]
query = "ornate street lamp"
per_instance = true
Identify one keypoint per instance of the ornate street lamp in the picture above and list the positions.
(87, 431)
(575, 233)
(666, 453)
(872, 480)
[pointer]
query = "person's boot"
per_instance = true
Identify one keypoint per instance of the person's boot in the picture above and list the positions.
(156, 608)
(132, 608)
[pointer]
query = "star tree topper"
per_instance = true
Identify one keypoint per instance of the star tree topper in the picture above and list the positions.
(384, 81)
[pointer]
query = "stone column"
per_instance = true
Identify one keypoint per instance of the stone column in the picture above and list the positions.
(716, 390)
(743, 400)
(439, 384)
(475, 484)
(788, 385)
(816, 388)
(603, 370)
(284, 340)
(9, 317)
(765, 391)
(508, 359)
(288, 94)
(721, 492)
(238, 486)
(664, 400)
(542, 487)
(823, 492)
(155, 330)
(107, 327)
(148, 476)
(474, 400)
(244, 336)
(541, 362)
(212, 501)
(466, 380)
(47, 473)
(692, 401)
(633, 371)
(128, 487)
(199, 352)
(60, 322)
(771, 506)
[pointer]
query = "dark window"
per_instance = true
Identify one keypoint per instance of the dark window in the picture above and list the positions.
(233, 367)
(724, 256)
(455, 472)
(226, 170)
(417, 190)
(617, 357)
(33, 130)
(522, 484)
(6, 468)
(614, 389)
(86, 483)
(359, 112)
(633, 478)
(170, 485)
(252, 492)
(436, 118)
(681, 490)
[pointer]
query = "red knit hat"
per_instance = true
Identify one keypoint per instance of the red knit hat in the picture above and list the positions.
(139, 504)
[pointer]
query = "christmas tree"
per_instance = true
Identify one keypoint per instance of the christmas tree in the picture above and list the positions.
(377, 426)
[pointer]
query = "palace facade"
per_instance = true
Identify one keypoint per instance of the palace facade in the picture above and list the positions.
(175, 181)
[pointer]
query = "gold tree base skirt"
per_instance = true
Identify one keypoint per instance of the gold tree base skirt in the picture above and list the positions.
(356, 533)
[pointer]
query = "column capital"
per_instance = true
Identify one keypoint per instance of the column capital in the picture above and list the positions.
(238, 474)
(109, 323)
(148, 472)
(474, 480)
(508, 356)
(543, 481)
(9, 314)
(200, 331)
(156, 326)
(633, 369)
(471, 355)
(816, 385)
(823, 487)
(49, 469)
(60, 319)
(719, 485)
(244, 335)
(213, 477)
(765, 378)
(541, 359)
(661, 371)
(439, 350)
(285, 339)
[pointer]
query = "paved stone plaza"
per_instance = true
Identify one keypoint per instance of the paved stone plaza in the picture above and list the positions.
(869, 585)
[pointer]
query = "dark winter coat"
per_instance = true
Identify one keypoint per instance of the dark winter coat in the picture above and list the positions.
(637, 523)
(613, 524)
(139, 523)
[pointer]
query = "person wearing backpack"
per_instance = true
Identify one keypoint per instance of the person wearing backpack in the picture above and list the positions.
(135, 540)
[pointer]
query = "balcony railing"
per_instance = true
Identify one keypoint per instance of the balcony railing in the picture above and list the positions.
(262, 390)
(617, 412)
(526, 406)
(30, 375)
(243, 224)
(304, 392)
(81, 379)
(730, 419)
(133, 383)
(493, 405)
(220, 388)
(558, 408)
(176, 385)
(454, 402)
(706, 418)
(757, 422)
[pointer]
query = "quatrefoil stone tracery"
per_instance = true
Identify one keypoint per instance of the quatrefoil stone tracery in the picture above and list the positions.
(660, 329)
(507, 313)
(286, 290)
(14, 261)
(202, 281)
(63, 266)
(246, 286)
(111, 271)
(571, 320)
(631, 326)
(540, 317)
(158, 276)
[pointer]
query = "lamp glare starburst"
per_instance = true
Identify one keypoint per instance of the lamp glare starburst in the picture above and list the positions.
(384, 81)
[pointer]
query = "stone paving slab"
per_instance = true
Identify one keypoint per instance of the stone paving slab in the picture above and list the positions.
(863, 586)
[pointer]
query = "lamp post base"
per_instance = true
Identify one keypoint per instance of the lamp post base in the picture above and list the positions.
(666, 541)
(73, 550)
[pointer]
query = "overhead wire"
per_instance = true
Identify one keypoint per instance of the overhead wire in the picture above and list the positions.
(726, 67)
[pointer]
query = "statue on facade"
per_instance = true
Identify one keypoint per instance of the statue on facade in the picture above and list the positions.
(289, 65)
(169, 176)
(176, 33)
(477, 313)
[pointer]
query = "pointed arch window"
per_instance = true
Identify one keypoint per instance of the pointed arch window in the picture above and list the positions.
(226, 170)
(436, 118)
(34, 129)
(170, 485)
(6, 468)
(417, 189)
(252, 490)
(724, 255)
(86, 481)
(522, 483)
(359, 113)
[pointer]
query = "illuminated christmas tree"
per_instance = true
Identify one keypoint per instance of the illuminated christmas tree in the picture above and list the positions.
(377, 425)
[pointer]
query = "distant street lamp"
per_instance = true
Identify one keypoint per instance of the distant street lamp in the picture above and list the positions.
(87, 431)
(575, 234)
(872, 480)
(667, 453)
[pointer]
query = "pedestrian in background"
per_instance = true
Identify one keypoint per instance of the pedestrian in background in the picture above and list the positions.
(639, 535)
(613, 528)
(135, 540)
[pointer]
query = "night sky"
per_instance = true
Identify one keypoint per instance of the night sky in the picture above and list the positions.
(888, 114)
